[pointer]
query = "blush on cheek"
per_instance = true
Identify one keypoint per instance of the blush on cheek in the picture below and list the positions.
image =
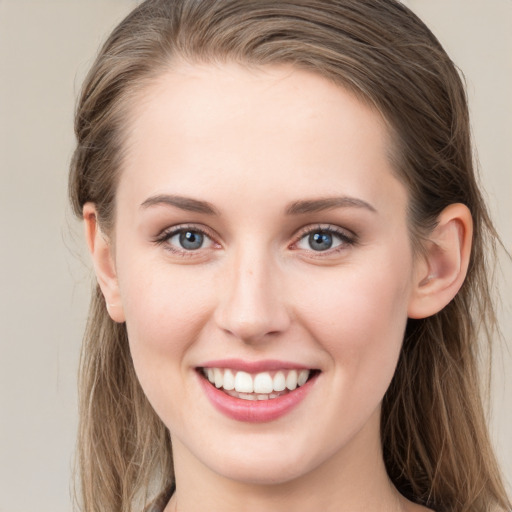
(361, 325)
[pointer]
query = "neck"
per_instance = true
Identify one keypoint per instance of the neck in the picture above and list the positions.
(353, 479)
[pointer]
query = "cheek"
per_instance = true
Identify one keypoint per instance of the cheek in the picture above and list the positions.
(359, 319)
(165, 313)
(158, 299)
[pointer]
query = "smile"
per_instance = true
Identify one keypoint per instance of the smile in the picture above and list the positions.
(259, 386)
(253, 395)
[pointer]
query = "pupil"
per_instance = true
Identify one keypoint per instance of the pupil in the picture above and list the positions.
(191, 240)
(320, 241)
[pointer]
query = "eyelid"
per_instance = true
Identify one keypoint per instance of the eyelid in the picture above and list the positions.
(167, 233)
(347, 236)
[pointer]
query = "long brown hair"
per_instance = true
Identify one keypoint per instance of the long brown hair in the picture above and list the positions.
(435, 441)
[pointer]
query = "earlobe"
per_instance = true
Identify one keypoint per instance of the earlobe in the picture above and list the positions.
(104, 265)
(440, 274)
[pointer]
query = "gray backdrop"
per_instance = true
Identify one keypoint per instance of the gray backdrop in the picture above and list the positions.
(46, 47)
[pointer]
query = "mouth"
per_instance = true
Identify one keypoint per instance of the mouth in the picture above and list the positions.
(262, 386)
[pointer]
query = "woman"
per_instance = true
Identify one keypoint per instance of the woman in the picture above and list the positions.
(288, 239)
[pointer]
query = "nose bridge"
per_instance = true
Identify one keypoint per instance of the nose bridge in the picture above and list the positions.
(251, 305)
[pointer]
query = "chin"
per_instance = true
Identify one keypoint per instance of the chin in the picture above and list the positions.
(268, 473)
(261, 467)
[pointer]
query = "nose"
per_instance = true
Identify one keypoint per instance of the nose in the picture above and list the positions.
(252, 304)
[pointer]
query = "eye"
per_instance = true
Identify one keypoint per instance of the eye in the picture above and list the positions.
(185, 239)
(188, 240)
(324, 239)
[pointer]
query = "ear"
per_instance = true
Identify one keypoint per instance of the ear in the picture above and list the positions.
(104, 264)
(439, 276)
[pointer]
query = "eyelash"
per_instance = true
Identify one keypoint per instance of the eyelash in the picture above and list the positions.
(346, 240)
(164, 237)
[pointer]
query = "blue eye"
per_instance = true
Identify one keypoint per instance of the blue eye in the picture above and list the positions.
(322, 239)
(186, 240)
(191, 240)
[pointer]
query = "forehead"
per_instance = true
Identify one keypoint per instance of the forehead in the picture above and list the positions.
(272, 128)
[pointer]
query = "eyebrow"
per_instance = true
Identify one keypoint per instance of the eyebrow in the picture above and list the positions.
(328, 203)
(296, 208)
(184, 203)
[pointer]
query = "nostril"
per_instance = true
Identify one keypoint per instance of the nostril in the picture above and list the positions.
(250, 307)
(252, 325)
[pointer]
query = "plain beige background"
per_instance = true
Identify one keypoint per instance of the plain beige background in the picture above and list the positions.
(46, 47)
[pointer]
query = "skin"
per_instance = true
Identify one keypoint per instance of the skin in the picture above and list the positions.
(250, 143)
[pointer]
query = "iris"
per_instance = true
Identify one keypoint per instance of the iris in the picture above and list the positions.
(191, 240)
(320, 241)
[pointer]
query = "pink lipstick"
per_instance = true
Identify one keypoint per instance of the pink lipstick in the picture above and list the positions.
(256, 392)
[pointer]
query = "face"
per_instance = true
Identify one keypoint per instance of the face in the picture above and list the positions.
(261, 237)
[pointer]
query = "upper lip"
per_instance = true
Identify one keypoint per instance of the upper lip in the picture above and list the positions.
(264, 365)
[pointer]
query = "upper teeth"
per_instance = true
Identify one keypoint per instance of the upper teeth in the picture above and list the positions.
(261, 383)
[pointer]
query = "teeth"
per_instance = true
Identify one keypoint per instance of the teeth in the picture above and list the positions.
(219, 377)
(302, 377)
(229, 380)
(247, 396)
(261, 386)
(279, 381)
(243, 382)
(291, 380)
(263, 383)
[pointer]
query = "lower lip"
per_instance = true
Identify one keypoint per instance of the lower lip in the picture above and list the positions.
(255, 411)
